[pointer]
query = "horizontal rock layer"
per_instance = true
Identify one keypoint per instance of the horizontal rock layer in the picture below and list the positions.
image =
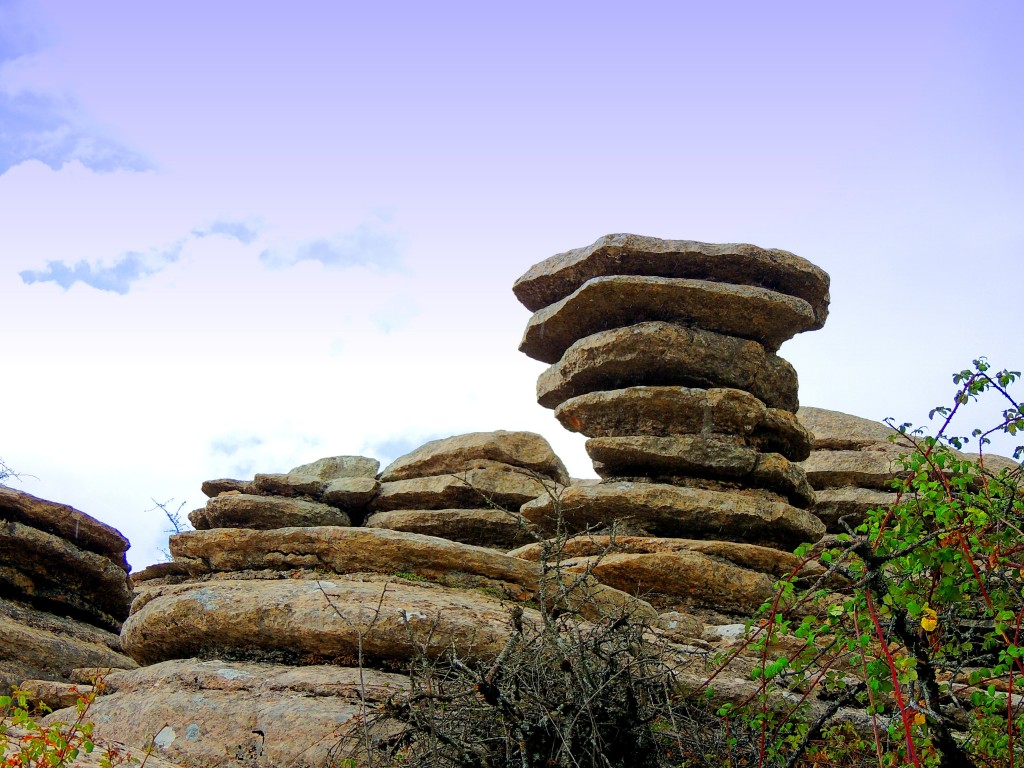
(483, 527)
(625, 254)
(663, 354)
(833, 503)
(335, 467)
(496, 484)
(602, 303)
(241, 510)
(665, 411)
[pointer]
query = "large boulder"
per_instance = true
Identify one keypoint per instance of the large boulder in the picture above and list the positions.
(625, 254)
(242, 510)
(665, 411)
(659, 354)
(615, 301)
(457, 454)
(335, 467)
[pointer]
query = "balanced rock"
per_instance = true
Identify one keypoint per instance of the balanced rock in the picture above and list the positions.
(658, 354)
(624, 254)
(335, 467)
(457, 454)
(485, 527)
(668, 510)
(665, 411)
(615, 301)
(226, 485)
(241, 510)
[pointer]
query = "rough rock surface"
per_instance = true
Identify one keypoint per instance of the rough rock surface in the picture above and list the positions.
(657, 353)
(714, 456)
(241, 510)
(66, 522)
(334, 467)
(625, 254)
(667, 510)
(350, 493)
(665, 411)
(483, 527)
(226, 485)
(615, 301)
(41, 645)
(289, 485)
(50, 572)
(833, 503)
(837, 431)
(874, 467)
(209, 714)
(459, 453)
(502, 485)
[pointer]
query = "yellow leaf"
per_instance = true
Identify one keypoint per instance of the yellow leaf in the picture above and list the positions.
(929, 619)
(919, 718)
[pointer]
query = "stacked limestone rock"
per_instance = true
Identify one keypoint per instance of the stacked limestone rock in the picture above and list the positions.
(663, 354)
(468, 488)
(266, 641)
(854, 463)
(63, 591)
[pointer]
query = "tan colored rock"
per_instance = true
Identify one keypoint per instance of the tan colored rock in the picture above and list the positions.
(834, 503)
(226, 485)
(680, 625)
(624, 254)
(833, 430)
(873, 467)
(461, 452)
(241, 510)
(303, 620)
(66, 522)
(40, 645)
(336, 467)
(666, 411)
(662, 354)
(783, 476)
(288, 485)
(483, 527)
(668, 510)
(158, 571)
(51, 573)
(206, 711)
(105, 752)
(616, 301)
(52, 694)
(503, 486)
(350, 493)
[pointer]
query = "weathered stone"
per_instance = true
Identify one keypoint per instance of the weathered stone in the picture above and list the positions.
(52, 694)
(833, 430)
(667, 510)
(208, 712)
(502, 486)
(158, 571)
(376, 550)
(40, 645)
(774, 562)
(874, 467)
(226, 485)
(833, 503)
(680, 625)
(483, 527)
(288, 485)
(104, 753)
(459, 453)
(615, 301)
(663, 354)
(335, 467)
(302, 620)
(684, 577)
(50, 572)
(665, 411)
(66, 522)
(242, 510)
(623, 254)
(350, 493)
(712, 456)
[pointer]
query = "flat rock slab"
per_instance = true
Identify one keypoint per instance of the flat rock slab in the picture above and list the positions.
(376, 550)
(666, 411)
(503, 486)
(667, 510)
(834, 503)
(673, 580)
(302, 620)
(211, 713)
(483, 527)
(66, 522)
(459, 453)
(288, 485)
(624, 254)
(242, 510)
(875, 468)
(663, 354)
(54, 574)
(335, 467)
(213, 488)
(834, 430)
(350, 493)
(39, 645)
(710, 456)
(615, 301)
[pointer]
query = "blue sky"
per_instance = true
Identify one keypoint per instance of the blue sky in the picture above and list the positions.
(237, 237)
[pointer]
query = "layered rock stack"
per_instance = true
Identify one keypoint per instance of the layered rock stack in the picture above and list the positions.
(663, 353)
(267, 640)
(63, 591)
(468, 488)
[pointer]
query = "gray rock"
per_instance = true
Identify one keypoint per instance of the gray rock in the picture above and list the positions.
(334, 467)
(240, 510)
(350, 493)
(833, 503)
(226, 485)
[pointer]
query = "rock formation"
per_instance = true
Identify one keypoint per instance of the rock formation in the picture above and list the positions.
(663, 353)
(63, 591)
